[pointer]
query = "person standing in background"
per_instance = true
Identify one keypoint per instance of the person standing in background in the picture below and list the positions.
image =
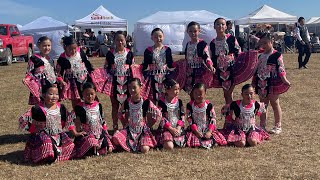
(303, 43)
(229, 28)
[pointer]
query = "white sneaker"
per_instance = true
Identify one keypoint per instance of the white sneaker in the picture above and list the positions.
(276, 130)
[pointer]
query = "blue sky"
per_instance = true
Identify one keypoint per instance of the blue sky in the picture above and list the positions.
(25, 11)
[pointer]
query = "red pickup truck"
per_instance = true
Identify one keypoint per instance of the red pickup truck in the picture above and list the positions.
(13, 44)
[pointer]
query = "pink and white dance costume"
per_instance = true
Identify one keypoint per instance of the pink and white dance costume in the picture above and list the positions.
(197, 58)
(267, 78)
(74, 71)
(156, 66)
(244, 126)
(172, 113)
(118, 67)
(202, 117)
(48, 142)
(223, 57)
(93, 123)
(40, 72)
(136, 132)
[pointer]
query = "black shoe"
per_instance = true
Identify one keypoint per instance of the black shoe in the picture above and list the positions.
(306, 67)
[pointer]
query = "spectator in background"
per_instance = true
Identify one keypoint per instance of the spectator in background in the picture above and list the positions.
(242, 40)
(92, 36)
(129, 42)
(315, 39)
(303, 43)
(100, 38)
(253, 40)
(229, 28)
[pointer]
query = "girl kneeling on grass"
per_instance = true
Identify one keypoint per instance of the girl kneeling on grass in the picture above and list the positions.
(95, 139)
(136, 134)
(202, 130)
(172, 125)
(242, 130)
(45, 121)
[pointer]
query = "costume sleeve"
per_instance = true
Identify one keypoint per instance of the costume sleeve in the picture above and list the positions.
(130, 58)
(25, 122)
(80, 113)
(185, 51)
(145, 107)
(164, 123)
(162, 106)
(153, 111)
(86, 61)
(213, 53)
(37, 114)
(109, 60)
(182, 117)
(281, 69)
(169, 58)
(259, 108)
(234, 107)
(122, 113)
(63, 113)
(182, 113)
(206, 55)
(103, 122)
(189, 114)
(147, 59)
(66, 120)
(32, 64)
(211, 117)
(59, 68)
(203, 52)
(71, 117)
(234, 47)
(228, 109)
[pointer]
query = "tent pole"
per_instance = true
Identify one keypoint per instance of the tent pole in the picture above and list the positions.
(127, 28)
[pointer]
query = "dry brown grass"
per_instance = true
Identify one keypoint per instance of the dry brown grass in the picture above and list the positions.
(294, 154)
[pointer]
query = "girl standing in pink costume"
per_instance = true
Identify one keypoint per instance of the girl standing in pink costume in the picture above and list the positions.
(136, 135)
(224, 49)
(270, 81)
(40, 70)
(156, 64)
(201, 116)
(72, 70)
(45, 121)
(197, 57)
(172, 125)
(90, 119)
(118, 62)
(242, 129)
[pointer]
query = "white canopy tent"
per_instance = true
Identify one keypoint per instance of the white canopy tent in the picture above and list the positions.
(313, 25)
(19, 26)
(47, 26)
(267, 14)
(173, 24)
(312, 20)
(102, 18)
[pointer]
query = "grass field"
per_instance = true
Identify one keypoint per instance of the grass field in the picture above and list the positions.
(294, 154)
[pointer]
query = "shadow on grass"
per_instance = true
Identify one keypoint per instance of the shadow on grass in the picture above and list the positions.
(13, 138)
(15, 157)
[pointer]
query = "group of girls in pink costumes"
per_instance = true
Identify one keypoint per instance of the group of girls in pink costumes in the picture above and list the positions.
(142, 95)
